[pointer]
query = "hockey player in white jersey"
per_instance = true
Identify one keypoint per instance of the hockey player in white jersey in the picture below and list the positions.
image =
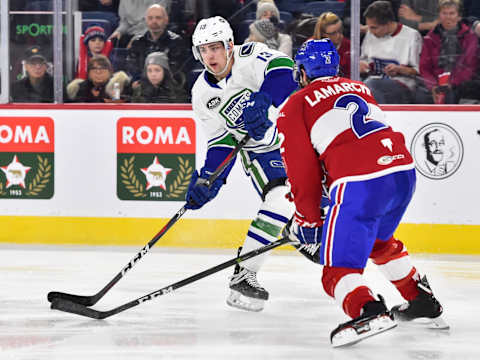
(238, 93)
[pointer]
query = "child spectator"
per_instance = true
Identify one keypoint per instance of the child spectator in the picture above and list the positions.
(330, 26)
(100, 83)
(93, 42)
(157, 85)
(37, 85)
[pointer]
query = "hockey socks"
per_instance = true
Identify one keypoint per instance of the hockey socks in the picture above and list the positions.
(393, 261)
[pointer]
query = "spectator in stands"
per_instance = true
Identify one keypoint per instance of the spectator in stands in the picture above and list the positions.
(330, 26)
(93, 42)
(98, 5)
(132, 20)
(390, 55)
(264, 31)
(157, 85)
(157, 38)
(100, 84)
(450, 48)
(419, 14)
(363, 6)
(37, 85)
(268, 10)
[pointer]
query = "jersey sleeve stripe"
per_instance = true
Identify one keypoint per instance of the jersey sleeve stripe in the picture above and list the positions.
(279, 63)
(224, 140)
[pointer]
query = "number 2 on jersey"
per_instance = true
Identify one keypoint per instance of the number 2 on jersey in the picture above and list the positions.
(359, 122)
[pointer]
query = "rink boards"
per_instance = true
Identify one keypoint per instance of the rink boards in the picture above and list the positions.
(115, 174)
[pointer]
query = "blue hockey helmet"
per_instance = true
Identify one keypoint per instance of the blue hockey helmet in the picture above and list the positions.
(318, 58)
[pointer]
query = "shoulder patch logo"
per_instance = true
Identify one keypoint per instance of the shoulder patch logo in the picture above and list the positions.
(213, 102)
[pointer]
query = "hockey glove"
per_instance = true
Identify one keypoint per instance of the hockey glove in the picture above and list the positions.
(255, 115)
(198, 193)
(306, 233)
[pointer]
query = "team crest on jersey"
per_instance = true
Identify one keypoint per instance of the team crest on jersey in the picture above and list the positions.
(438, 151)
(213, 102)
(233, 109)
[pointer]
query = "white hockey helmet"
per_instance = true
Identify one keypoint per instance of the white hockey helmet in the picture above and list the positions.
(211, 30)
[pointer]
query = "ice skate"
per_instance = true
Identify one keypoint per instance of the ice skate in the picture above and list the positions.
(424, 306)
(246, 293)
(374, 320)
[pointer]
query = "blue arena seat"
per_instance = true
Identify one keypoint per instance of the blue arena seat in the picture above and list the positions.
(192, 76)
(242, 31)
(318, 7)
(103, 15)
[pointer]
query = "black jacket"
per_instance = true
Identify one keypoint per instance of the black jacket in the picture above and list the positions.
(170, 43)
(23, 91)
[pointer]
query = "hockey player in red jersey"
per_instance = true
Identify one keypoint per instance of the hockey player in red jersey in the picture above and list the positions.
(335, 135)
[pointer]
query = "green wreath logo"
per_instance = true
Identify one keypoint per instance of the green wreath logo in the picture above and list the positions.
(180, 184)
(130, 180)
(2, 191)
(41, 178)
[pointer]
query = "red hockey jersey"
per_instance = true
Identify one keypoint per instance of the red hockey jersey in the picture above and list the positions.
(333, 131)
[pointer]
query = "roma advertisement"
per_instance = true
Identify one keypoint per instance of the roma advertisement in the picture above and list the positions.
(26, 157)
(155, 158)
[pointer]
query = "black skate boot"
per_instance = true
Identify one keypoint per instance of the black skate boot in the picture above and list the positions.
(424, 306)
(246, 293)
(374, 320)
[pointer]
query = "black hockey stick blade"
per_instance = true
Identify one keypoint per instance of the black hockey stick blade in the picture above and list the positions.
(79, 309)
(93, 299)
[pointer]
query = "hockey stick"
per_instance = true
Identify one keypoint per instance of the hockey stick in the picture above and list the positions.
(75, 308)
(93, 299)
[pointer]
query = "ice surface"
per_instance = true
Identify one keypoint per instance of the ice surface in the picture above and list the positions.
(195, 323)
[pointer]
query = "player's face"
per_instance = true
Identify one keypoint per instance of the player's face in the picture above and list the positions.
(335, 33)
(449, 17)
(155, 74)
(377, 29)
(435, 147)
(214, 55)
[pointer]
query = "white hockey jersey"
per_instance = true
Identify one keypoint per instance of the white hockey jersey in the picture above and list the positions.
(403, 47)
(219, 106)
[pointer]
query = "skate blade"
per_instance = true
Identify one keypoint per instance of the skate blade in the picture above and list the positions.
(239, 301)
(437, 323)
(351, 336)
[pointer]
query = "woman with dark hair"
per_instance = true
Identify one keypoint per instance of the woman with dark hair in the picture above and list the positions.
(101, 85)
(157, 84)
